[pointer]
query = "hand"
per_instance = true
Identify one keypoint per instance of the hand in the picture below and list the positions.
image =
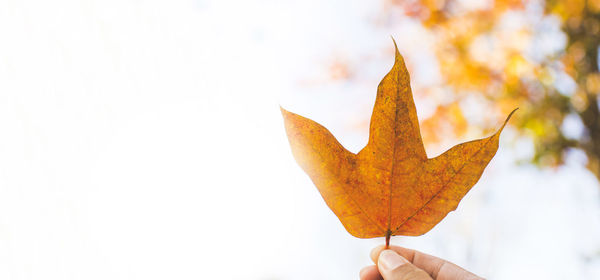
(397, 263)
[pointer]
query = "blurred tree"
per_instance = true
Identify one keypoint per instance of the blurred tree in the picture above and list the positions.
(541, 56)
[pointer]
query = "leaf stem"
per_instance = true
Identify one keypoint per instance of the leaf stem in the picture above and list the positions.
(388, 234)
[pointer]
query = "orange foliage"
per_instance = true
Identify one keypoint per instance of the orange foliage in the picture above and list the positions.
(390, 187)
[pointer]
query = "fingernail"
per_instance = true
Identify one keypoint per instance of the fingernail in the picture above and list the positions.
(389, 260)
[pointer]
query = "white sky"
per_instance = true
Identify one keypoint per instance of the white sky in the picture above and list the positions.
(143, 140)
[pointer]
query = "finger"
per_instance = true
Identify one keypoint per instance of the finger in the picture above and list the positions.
(438, 268)
(377, 250)
(392, 266)
(370, 273)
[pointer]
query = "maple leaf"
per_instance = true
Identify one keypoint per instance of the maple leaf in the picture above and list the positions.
(390, 187)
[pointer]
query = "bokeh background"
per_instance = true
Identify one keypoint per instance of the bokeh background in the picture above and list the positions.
(143, 139)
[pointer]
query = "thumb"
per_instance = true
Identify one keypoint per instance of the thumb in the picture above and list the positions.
(392, 266)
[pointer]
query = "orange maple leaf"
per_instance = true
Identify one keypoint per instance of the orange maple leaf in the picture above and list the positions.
(390, 187)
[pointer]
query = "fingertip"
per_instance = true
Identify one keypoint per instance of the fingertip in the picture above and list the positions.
(404, 252)
(370, 273)
(375, 253)
(390, 260)
(364, 271)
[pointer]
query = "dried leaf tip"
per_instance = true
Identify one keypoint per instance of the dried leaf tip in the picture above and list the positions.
(397, 54)
(395, 45)
(507, 119)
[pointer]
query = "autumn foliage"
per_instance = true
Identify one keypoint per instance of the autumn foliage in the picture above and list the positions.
(390, 187)
(539, 55)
